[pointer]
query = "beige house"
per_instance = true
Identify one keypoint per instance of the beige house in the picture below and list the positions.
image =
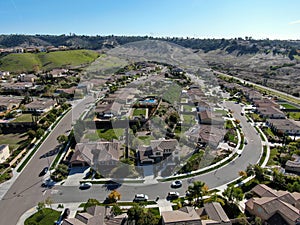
(8, 103)
(40, 105)
(274, 207)
(4, 153)
(210, 214)
(183, 216)
(95, 215)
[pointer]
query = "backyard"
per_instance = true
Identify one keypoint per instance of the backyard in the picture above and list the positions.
(14, 140)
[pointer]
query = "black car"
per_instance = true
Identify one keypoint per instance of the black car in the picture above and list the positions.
(44, 171)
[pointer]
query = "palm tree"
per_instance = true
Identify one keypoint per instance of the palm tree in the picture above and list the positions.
(198, 190)
(233, 194)
(215, 198)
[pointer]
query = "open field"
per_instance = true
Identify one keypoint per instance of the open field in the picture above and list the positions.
(29, 62)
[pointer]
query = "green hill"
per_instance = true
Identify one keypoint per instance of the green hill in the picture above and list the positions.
(28, 62)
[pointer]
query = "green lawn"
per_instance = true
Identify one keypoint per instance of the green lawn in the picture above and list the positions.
(14, 140)
(47, 217)
(172, 94)
(189, 119)
(188, 108)
(110, 134)
(288, 106)
(146, 139)
(28, 62)
(23, 118)
(222, 112)
(138, 112)
(273, 155)
(294, 115)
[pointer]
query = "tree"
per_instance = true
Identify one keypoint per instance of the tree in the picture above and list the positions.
(62, 139)
(49, 202)
(243, 174)
(39, 133)
(31, 134)
(116, 210)
(141, 216)
(198, 190)
(233, 194)
(114, 196)
(215, 198)
(40, 207)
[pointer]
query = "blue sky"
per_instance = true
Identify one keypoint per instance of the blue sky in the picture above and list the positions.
(274, 19)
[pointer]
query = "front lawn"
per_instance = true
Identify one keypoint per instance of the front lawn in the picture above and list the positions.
(44, 217)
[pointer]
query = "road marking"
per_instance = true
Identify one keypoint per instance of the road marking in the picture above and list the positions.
(44, 192)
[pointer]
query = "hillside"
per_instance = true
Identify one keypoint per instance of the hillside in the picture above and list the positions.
(28, 62)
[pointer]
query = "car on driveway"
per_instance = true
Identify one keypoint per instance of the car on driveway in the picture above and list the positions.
(44, 171)
(85, 185)
(176, 184)
(173, 195)
(140, 198)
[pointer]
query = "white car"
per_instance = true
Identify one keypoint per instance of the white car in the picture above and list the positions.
(85, 185)
(140, 197)
(176, 184)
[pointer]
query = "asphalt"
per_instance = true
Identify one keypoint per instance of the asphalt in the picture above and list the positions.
(26, 191)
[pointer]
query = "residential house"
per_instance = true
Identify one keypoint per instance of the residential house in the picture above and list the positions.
(209, 117)
(27, 78)
(158, 150)
(208, 135)
(56, 73)
(4, 153)
(210, 214)
(18, 87)
(9, 103)
(265, 103)
(106, 110)
(102, 155)
(270, 112)
(213, 214)
(183, 216)
(293, 165)
(95, 215)
(40, 105)
(274, 207)
(284, 126)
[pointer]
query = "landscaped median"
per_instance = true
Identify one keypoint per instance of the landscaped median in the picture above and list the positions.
(33, 151)
(201, 171)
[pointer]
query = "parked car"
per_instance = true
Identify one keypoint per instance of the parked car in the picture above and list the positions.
(44, 171)
(176, 184)
(173, 195)
(48, 183)
(85, 185)
(140, 197)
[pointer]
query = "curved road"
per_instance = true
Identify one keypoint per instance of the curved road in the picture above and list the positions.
(26, 191)
(216, 178)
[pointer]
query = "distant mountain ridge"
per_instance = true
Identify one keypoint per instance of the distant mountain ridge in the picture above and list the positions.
(240, 45)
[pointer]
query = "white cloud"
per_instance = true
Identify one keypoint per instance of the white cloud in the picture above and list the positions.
(294, 22)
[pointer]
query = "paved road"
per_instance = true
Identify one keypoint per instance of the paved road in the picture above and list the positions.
(213, 179)
(26, 191)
